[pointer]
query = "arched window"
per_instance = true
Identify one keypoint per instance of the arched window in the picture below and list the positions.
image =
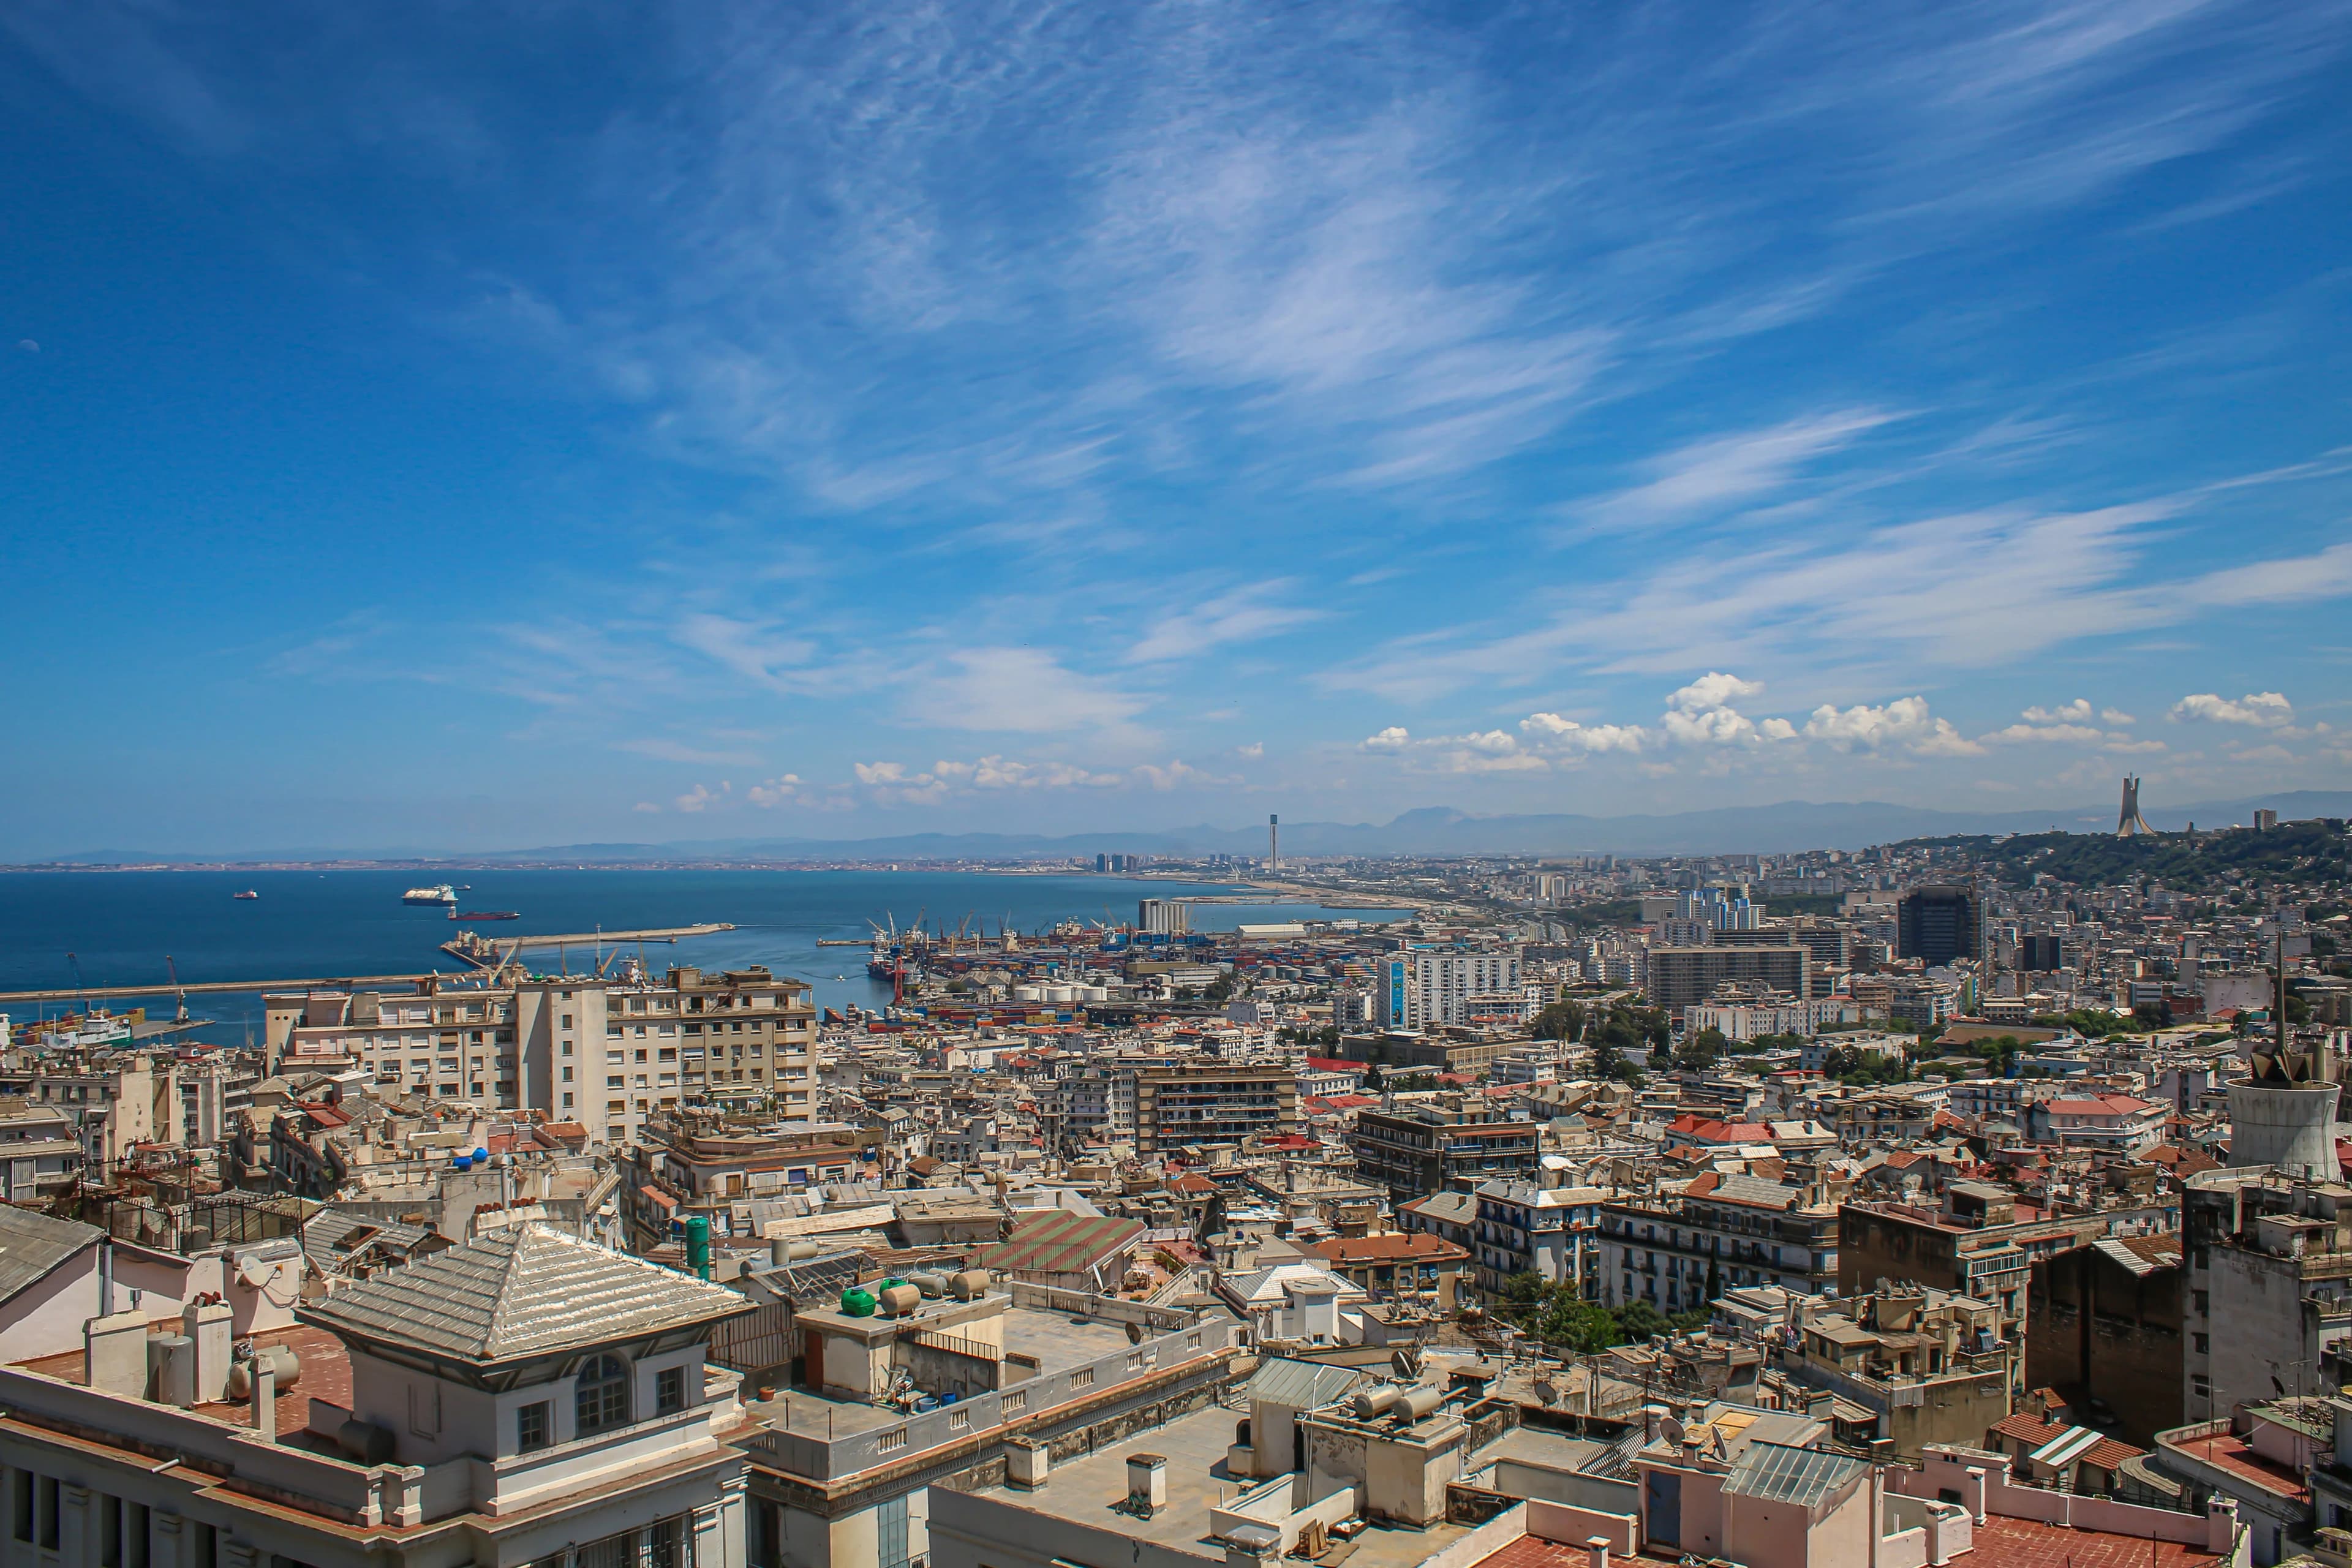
(602, 1399)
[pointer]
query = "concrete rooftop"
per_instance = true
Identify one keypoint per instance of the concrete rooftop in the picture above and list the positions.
(1088, 1491)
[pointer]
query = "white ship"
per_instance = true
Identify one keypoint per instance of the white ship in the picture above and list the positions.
(442, 894)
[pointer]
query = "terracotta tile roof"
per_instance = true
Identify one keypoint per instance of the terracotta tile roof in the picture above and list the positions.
(2228, 1452)
(2027, 1429)
(2029, 1543)
(1410, 1246)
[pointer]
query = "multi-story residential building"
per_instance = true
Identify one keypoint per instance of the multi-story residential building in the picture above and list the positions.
(1934, 1367)
(1419, 988)
(2112, 1123)
(2269, 1285)
(1524, 1228)
(607, 1053)
(1983, 1242)
(39, 1154)
(1398, 1266)
(1093, 1104)
(684, 1165)
(117, 1100)
(1940, 923)
(1751, 1012)
(1679, 1250)
(1178, 1103)
(1681, 977)
(1417, 1149)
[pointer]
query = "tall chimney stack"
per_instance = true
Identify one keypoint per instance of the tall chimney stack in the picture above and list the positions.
(1273, 843)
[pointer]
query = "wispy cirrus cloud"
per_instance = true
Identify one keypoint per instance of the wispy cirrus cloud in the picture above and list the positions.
(1242, 615)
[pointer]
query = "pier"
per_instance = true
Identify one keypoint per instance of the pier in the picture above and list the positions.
(489, 952)
(359, 981)
(205, 987)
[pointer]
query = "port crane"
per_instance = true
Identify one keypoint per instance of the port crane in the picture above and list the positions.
(81, 987)
(179, 993)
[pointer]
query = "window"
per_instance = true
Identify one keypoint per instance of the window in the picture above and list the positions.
(2203, 1343)
(601, 1397)
(1083, 1378)
(20, 1505)
(890, 1529)
(1016, 1401)
(425, 1409)
(890, 1442)
(669, 1390)
(959, 1419)
(533, 1428)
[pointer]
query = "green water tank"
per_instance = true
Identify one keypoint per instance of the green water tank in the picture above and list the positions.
(857, 1302)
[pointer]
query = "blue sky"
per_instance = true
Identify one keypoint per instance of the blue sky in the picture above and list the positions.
(473, 425)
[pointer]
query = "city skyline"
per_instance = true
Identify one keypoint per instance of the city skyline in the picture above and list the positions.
(537, 427)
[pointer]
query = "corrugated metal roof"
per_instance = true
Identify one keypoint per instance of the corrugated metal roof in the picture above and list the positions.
(33, 1244)
(331, 1233)
(1057, 1241)
(1774, 1472)
(1304, 1385)
(523, 1291)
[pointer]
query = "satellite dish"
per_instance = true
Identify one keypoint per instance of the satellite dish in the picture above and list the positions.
(1671, 1430)
(257, 1272)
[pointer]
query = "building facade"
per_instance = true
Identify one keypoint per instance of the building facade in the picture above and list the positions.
(609, 1055)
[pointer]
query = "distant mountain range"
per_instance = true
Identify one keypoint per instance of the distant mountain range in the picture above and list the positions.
(1780, 829)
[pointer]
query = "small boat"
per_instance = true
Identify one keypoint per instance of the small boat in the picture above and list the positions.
(486, 914)
(249, 894)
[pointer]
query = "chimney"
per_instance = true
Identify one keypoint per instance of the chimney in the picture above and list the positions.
(265, 1399)
(207, 1326)
(114, 1354)
(1026, 1463)
(1147, 1484)
(1596, 1551)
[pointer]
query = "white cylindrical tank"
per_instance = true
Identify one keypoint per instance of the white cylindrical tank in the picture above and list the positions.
(2289, 1126)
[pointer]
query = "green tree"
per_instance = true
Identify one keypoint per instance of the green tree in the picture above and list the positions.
(1641, 1321)
(1701, 1051)
(1560, 1021)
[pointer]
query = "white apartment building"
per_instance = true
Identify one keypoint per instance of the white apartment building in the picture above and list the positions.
(1421, 987)
(607, 1054)
(1751, 1019)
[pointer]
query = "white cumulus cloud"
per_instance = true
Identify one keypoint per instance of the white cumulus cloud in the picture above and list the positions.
(1902, 725)
(2259, 710)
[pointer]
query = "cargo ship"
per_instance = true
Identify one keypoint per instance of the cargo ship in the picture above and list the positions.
(442, 894)
(486, 914)
(249, 894)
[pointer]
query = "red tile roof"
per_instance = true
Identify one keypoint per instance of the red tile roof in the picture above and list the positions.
(2228, 1452)
(1410, 1246)
(2029, 1543)
(2029, 1429)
